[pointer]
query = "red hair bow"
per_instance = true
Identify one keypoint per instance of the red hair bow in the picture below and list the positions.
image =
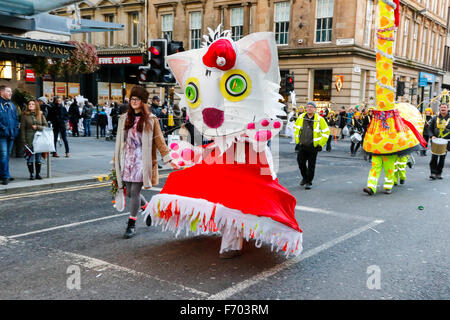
(220, 55)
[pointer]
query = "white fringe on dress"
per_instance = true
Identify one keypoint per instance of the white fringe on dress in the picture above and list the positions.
(194, 215)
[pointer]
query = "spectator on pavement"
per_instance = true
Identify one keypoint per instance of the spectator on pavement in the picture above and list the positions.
(32, 120)
(9, 130)
(115, 114)
(74, 117)
(58, 116)
(87, 116)
(102, 121)
(44, 106)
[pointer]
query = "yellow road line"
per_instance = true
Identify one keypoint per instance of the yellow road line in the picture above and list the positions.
(59, 190)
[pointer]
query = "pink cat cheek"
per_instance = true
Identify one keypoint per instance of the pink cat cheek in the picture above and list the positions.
(187, 154)
(276, 125)
(251, 126)
(174, 146)
(181, 163)
(175, 155)
(263, 135)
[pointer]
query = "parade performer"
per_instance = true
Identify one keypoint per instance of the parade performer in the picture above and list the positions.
(389, 135)
(428, 115)
(229, 186)
(135, 160)
(439, 127)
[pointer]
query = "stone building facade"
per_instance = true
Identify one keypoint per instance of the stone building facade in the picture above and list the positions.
(320, 40)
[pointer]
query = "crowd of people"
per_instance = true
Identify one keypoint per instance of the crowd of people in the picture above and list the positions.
(354, 123)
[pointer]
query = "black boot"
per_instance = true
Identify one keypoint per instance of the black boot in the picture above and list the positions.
(30, 169)
(131, 229)
(38, 171)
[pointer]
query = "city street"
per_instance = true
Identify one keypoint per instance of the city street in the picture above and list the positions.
(349, 240)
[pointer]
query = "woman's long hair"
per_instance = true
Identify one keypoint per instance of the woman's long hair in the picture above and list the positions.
(37, 109)
(143, 119)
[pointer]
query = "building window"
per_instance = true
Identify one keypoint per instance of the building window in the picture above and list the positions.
(167, 26)
(424, 39)
(368, 29)
(415, 35)
(322, 85)
(109, 34)
(438, 52)
(237, 23)
(405, 37)
(195, 26)
(281, 21)
(431, 52)
(87, 36)
(5, 69)
(324, 20)
(134, 28)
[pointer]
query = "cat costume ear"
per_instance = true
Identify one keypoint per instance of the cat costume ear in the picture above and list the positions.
(261, 48)
(179, 65)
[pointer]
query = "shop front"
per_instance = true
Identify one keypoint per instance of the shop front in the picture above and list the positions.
(117, 76)
(17, 55)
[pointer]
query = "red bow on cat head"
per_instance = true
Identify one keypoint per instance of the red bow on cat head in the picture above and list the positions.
(220, 55)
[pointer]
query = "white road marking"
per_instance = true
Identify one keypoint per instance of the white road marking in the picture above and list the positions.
(334, 213)
(67, 225)
(229, 292)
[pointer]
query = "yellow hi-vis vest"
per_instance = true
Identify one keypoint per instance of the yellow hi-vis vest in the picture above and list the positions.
(320, 130)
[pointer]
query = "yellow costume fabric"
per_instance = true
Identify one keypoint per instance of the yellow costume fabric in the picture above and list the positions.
(386, 163)
(387, 134)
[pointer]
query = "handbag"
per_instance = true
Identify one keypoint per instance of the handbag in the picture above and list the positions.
(43, 141)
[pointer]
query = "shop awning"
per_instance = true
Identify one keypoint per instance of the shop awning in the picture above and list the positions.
(31, 47)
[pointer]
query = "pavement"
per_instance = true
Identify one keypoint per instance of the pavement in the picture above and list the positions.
(89, 162)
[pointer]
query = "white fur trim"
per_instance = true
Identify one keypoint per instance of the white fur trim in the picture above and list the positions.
(194, 211)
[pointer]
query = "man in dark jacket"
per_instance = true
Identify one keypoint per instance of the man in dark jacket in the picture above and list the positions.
(58, 116)
(87, 116)
(115, 114)
(9, 129)
(342, 120)
(74, 117)
(439, 127)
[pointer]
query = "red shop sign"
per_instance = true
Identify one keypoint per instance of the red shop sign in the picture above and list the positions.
(29, 75)
(121, 60)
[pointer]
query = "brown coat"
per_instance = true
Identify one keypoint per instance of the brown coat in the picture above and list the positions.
(151, 140)
(26, 128)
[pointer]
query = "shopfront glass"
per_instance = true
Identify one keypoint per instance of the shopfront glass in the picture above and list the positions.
(322, 85)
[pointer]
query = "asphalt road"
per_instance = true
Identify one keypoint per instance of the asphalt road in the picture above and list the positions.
(355, 246)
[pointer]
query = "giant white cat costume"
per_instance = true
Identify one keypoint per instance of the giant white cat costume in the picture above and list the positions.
(229, 186)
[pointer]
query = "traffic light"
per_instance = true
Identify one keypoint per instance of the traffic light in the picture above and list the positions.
(288, 83)
(157, 52)
(144, 74)
(172, 48)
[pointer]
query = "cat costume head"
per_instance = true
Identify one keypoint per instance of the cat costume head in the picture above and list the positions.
(226, 84)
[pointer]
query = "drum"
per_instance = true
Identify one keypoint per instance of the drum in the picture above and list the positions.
(439, 146)
(356, 137)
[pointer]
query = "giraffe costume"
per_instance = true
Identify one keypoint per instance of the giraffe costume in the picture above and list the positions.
(389, 134)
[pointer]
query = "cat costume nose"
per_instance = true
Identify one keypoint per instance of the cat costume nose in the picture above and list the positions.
(220, 55)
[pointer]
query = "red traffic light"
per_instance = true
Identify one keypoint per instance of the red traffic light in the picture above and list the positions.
(290, 80)
(154, 50)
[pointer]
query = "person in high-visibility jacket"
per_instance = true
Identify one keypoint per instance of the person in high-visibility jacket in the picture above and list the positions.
(311, 134)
